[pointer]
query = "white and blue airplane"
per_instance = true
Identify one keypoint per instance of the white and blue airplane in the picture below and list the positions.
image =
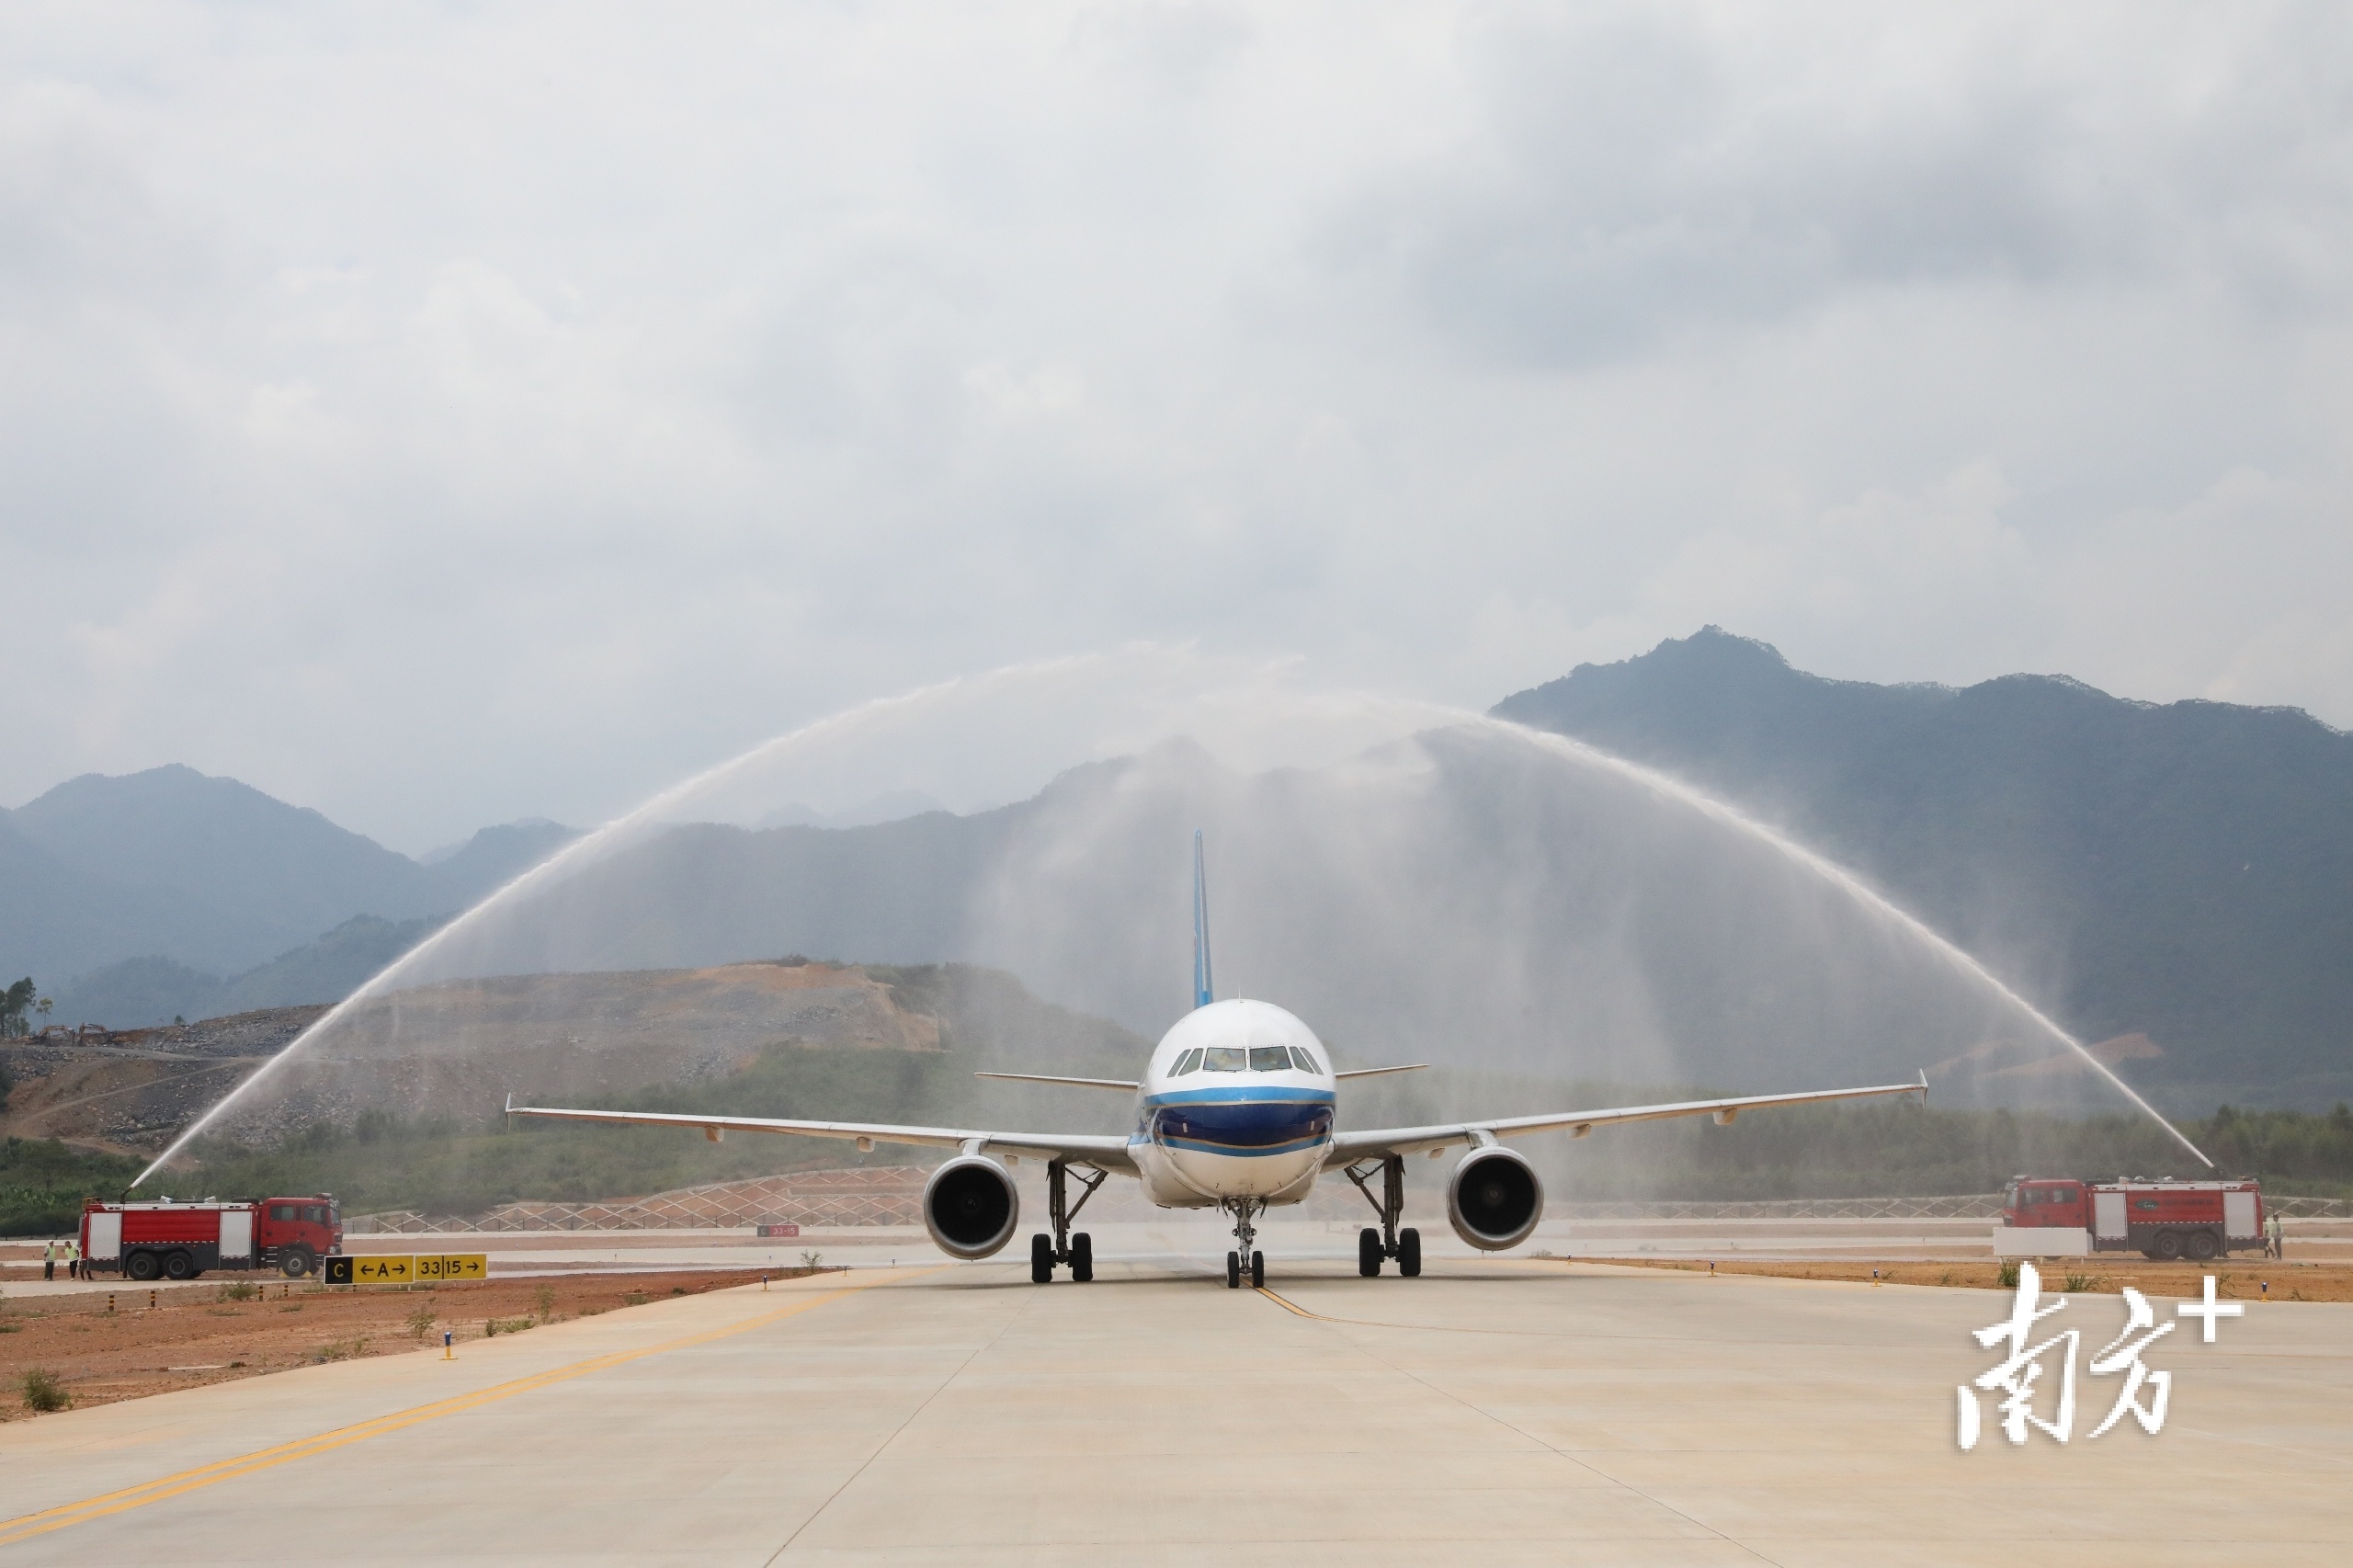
(1237, 1111)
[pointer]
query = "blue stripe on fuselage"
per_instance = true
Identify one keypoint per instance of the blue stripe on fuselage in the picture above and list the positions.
(1238, 1091)
(1258, 1124)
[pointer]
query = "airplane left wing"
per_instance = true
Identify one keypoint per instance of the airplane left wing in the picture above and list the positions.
(1104, 1151)
(1347, 1148)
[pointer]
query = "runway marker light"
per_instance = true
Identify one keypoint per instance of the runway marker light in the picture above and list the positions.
(764, 1282)
(449, 1338)
(110, 1301)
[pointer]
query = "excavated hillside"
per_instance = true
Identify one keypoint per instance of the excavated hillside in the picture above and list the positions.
(458, 1048)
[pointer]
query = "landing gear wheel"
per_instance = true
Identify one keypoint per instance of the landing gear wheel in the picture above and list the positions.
(1042, 1259)
(1367, 1252)
(2202, 1247)
(1257, 1271)
(296, 1263)
(1082, 1256)
(1234, 1271)
(1409, 1252)
(2168, 1244)
(143, 1265)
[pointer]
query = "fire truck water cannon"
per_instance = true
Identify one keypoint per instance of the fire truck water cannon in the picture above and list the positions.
(179, 1241)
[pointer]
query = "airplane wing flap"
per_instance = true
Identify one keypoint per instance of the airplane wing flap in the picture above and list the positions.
(1350, 1147)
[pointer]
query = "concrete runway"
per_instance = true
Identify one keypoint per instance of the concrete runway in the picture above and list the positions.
(1532, 1411)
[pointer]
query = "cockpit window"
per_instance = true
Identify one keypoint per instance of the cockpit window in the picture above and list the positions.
(1225, 1059)
(1190, 1062)
(1270, 1059)
(1303, 1061)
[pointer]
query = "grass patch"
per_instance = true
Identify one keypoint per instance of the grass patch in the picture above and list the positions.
(42, 1183)
(2009, 1275)
(237, 1290)
(342, 1349)
(492, 1327)
(43, 1391)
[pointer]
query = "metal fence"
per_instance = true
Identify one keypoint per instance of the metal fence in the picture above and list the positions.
(893, 1195)
(1964, 1206)
(880, 1195)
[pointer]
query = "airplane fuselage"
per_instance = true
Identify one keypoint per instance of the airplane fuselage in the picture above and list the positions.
(1236, 1102)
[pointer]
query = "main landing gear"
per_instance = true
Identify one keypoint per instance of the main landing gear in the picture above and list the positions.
(1373, 1245)
(1062, 1247)
(1244, 1212)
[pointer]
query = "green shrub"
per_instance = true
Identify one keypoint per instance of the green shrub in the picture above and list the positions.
(43, 1391)
(2009, 1275)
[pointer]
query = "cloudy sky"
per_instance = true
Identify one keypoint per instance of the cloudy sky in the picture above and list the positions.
(436, 415)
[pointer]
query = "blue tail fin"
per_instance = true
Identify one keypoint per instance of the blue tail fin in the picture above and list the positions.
(1204, 992)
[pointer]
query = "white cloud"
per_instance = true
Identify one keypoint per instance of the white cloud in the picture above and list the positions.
(438, 415)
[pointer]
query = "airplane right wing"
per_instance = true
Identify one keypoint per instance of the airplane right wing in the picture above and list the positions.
(1105, 1151)
(1347, 1148)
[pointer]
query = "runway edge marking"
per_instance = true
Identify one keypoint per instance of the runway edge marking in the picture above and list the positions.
(27, 1526)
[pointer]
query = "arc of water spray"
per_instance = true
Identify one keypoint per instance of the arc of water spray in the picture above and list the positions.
(1662, 783)
(585, 846)
(1852, 885)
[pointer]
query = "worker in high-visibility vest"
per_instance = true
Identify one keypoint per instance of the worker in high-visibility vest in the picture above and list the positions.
(72, 1258)
(49, 1261)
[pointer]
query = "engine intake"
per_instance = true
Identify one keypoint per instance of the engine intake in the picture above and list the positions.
(970, 1206)
(1494, 1199)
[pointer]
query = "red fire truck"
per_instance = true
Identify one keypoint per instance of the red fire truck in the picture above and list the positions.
(2164, 1219)
(180, 1241)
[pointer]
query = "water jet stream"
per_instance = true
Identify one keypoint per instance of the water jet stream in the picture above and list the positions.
(882, 709)
(1854, 887)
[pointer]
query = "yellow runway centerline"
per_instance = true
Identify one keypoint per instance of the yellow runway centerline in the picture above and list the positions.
(48, 1519)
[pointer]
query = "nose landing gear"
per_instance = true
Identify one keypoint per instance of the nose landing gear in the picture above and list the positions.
(1245, 1211)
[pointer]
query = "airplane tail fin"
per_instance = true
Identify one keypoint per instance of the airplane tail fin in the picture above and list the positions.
(1204, 992)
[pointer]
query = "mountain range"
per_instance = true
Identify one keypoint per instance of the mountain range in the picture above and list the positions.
(2169, 879)
(2182, 871)
(195, 882)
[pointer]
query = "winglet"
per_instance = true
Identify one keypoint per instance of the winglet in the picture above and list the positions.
(510, 1102)
(1204, 990)
(1923, 1085)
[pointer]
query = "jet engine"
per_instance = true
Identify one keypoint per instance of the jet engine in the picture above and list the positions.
(970, 1206)
(1494, 1199)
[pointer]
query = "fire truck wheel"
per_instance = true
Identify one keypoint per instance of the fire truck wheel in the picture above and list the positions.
(296, 1263)
(2203, 1247)
(143, 1265)
(178, 1265)
(2168, 1244)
